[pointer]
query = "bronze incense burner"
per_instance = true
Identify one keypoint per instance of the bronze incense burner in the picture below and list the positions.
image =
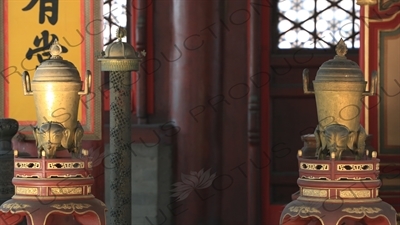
(57, 88)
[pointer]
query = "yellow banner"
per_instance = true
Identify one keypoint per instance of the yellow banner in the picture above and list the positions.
(30, 28)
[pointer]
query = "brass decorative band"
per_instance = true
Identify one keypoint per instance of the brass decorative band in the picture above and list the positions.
(66, 190)
(321, 193)
(71, 205)
(27, 165)
(67, 175)
(362, 210)
(303, 209)
(354, 178)
(314, 166)
(355, 167)
(27, 190)
(315, 178)
(119, 64)
(26, 176)
(65, 165)
(355, 193)
(15, 206)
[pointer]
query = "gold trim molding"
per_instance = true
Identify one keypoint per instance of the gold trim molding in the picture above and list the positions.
(71, 206)
(15, 206)
(26, 176)
(303, 209)
(362, 210)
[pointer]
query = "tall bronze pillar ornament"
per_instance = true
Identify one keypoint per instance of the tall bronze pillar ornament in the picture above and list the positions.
(8, 128)
(120, 59)
(340, 183)
(56, 185)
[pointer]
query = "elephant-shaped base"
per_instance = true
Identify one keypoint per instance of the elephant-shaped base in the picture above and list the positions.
(336, 138)
(53, 136)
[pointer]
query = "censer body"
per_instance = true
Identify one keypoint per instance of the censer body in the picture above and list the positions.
(339, 103)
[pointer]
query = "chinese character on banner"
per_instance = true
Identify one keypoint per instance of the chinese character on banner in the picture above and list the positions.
(42, 45)
(47, 8)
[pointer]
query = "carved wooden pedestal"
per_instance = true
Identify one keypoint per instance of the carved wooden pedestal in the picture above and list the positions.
(336, 192)
(49, 188)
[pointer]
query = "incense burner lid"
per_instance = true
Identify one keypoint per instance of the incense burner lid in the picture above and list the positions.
(119, 49)
(340, 68)
(56, 69)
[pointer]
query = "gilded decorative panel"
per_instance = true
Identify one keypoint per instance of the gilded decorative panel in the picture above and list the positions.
(65, 165)
(355, 193)
(314, 166)
(315, 192)
(66, 190)
(27, 190)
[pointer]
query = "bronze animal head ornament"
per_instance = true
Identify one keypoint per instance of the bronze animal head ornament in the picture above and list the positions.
(50, 137)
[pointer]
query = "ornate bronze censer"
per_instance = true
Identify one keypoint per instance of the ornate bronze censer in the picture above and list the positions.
(56, 88)
(339, 87)
(340, 184)
(51, 189)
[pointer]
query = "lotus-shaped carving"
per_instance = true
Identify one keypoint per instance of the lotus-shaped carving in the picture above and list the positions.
(196, 180)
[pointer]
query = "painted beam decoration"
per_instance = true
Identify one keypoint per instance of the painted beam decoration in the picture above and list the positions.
(29, 28)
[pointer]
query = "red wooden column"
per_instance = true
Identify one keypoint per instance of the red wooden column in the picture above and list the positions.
(140, 28)
(196, 101)
(268, 215)
(253, 117)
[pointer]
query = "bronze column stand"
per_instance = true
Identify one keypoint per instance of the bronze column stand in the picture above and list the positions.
(120, 59)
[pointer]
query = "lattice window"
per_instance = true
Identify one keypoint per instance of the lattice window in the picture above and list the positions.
(115, 15)
(317, 24)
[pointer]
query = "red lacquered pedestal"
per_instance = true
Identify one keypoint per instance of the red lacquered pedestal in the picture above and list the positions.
(336, 192)
(49, 188)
